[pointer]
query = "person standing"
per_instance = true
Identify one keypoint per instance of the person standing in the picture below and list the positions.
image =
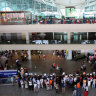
(22, 83)
(12, 80)
(44, 57)
(26, 84)
(93, 83)
(39, 56)
(85, 93)
(74, 90)
(63, 86)
(84, 83)
(18, 81)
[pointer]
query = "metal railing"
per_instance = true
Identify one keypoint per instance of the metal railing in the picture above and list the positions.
(48, 21)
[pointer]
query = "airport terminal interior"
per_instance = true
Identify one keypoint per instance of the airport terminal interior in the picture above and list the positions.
(47, 47)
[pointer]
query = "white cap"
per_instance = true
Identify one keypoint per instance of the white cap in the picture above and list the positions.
(77, 74)
(71, 74)
(87, 73)
(22, 68)
(31, 73)
(44, 74)
(93, 72)
(53, 73)
(63, 73)
(26, 74)
(35, 74)
(90, 73)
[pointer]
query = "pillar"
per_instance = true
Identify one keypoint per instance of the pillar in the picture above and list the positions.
(29, 54)
(68, 37)
(87, 35)
(29, 59)
(53, 35)
(27, 38)
(69, 55)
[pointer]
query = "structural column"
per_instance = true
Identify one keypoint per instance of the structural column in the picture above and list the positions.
(29, 54)
(27, 38)
(53, 35)
(69, 55)
(29, 59)
(87, 36)
(68, 37)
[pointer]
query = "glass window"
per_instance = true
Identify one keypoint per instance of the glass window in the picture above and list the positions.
(18, 1)
(13, 1)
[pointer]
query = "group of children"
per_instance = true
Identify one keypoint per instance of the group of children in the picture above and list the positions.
(78, 82)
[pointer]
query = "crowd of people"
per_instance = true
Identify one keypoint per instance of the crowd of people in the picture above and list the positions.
(65, 21)
(4, 56)
(77, 82)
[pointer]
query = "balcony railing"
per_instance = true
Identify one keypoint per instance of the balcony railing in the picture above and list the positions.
(49, 21)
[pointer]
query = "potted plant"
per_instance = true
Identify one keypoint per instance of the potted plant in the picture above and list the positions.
(63, 17)
(40, 17)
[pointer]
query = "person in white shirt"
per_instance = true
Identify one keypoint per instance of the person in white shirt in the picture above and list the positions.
(86, 88)
(41, 82)
(35, 87)
(26, 84)
(12, 80)
(38, 84)
(89, 83)
(94, 82)
(30, 84)
(47, 85)
(22, 83)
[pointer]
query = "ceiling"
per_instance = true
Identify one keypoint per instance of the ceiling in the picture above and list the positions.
(70, 2)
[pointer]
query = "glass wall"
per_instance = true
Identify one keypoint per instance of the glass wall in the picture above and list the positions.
(78, 37)
(69, 11)
(25, 5)
(83, 37)
(91, 35)
(61, 37)
(48, 37)
(12, 38)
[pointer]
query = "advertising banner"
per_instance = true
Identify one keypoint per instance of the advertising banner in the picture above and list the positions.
(7, 73)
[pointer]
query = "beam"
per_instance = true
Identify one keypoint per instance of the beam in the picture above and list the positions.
(48, 47)
(48, 28)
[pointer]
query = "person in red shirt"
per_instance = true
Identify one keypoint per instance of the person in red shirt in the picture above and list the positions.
(54, 65)
(85, 93)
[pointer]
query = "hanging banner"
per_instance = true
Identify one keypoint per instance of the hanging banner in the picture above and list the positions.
(7, 73)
